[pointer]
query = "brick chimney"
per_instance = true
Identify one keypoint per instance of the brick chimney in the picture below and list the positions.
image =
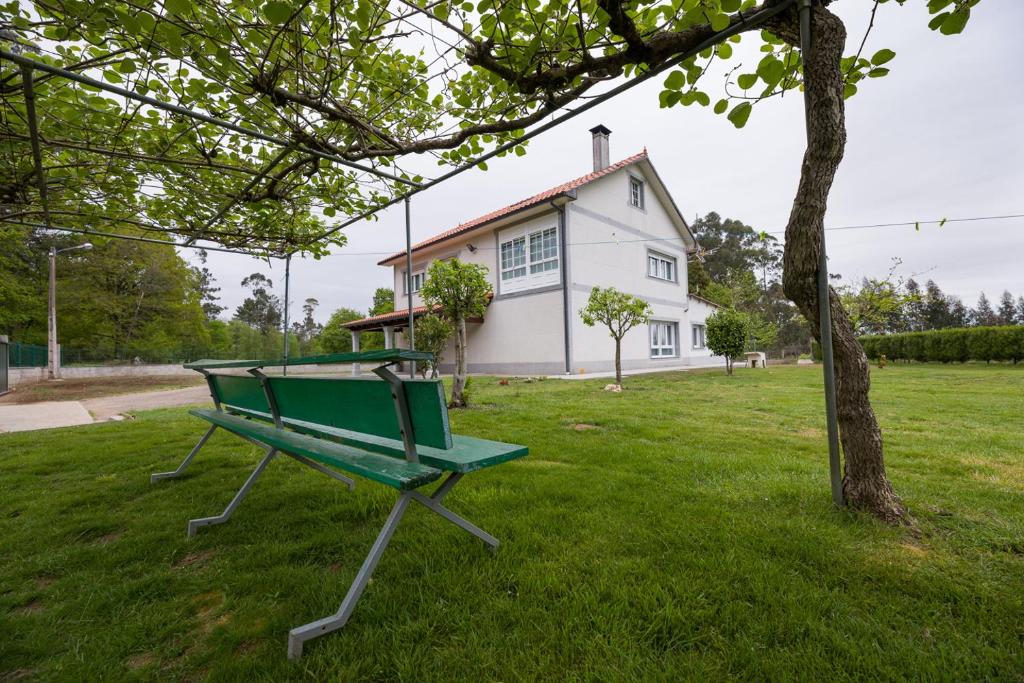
(600, 140)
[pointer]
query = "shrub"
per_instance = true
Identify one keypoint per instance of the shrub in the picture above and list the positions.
(955, 345)
(727, 334)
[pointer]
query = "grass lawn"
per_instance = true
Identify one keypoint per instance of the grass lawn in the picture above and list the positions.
(80, 389)
(679, 530)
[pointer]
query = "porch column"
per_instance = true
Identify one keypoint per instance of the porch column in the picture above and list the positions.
(355, 349)
(389, 336)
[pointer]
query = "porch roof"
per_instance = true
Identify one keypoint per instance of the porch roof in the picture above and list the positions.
(398, 318)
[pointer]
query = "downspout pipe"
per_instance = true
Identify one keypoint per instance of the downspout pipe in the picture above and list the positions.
(824, 307)
(566, 317)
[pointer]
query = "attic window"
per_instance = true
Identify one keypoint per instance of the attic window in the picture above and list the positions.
(636, 192)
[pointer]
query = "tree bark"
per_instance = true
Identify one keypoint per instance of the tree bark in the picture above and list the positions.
(865, 484)
(459, 380)
(618, 361)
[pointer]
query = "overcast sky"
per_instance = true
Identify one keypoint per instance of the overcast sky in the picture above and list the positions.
(941, 136)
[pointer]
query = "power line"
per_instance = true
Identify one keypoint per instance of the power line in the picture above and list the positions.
(939, 221)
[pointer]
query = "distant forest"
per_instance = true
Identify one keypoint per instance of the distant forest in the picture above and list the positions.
(126, 300)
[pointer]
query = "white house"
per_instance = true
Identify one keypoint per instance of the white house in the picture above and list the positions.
(614, 227)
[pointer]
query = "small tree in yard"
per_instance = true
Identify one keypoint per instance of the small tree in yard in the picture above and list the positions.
(727, 334)
(460, 290)
(432, 334)
(617, 311)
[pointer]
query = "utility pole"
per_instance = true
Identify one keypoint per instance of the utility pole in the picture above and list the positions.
(52, 350)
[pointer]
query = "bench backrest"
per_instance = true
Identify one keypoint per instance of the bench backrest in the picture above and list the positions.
(358, 404)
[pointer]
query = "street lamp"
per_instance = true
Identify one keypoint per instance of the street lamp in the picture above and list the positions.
(53, 366)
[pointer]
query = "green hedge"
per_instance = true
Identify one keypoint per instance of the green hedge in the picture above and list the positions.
(956, 345)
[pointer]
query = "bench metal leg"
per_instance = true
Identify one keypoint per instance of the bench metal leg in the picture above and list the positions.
(298, 636)
(434, 503)
(195, 524)
(325, 470)
(153, 478)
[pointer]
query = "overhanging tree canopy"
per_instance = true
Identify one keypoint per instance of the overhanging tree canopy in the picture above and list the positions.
(266, 120)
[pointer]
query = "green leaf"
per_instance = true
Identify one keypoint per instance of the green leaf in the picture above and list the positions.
(675, 80)
(177, 6)
(277, 12)
(937, 21)
(721, 106)
(730, 5)
(882, 56)
(955, 22)
(126, 66)
(747, 81)
(719, 21)
(740, 113)
(878, 73)
(849, 90)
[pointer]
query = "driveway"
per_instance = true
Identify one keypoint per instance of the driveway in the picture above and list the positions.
(110, 406)
(51, 414)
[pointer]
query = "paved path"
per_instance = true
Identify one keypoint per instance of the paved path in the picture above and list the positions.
(44, 415)
(642, 371)
(50, 414)
(108, 406)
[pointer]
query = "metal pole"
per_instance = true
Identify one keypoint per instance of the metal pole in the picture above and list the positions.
(824, 307)
(408, 285)
(287, 283)
(51, 342)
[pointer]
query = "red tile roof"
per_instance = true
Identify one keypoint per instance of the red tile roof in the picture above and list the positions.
(400, 316)
(394, 316)
(520, 205)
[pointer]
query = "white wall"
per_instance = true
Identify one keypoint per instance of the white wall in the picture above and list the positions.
(609, 242)
(700, 311)
(523, 332)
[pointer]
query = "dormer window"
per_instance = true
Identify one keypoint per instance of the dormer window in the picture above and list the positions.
(636, 192)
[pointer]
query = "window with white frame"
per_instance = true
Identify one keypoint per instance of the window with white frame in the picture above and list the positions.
(636, 192)
(699, 333)
(664, 339)
(415, 283)
(528, 258)
(661, 266)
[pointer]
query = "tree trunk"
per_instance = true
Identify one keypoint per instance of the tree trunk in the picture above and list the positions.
(618, 361)
(459, 380)
(864, 483)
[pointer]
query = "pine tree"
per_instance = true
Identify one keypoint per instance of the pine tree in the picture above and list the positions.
(1007, 311)
(959, 316)
(936, 308)
(983, 314)
(262, 310)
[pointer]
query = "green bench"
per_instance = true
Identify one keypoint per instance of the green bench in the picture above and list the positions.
(389, 430)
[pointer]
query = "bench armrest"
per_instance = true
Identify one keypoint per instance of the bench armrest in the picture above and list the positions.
(382, 356)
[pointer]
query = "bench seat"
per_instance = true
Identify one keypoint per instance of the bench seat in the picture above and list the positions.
(467, 454)
(399, 474)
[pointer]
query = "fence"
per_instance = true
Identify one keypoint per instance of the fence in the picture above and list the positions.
(26, 355)
(21, 355)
